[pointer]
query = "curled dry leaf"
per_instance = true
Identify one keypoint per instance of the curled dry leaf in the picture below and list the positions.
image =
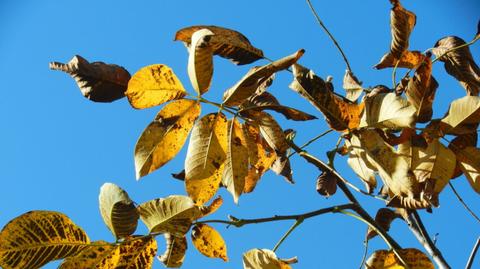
(339, 114)
(236, 163)
(388, 111)
(154, 85)
(266, 101)
(255, 78)
(173, 214)
(100, 255)
(469, 163)
(209, 242)
(326, 184)
(352, 86)
(118, 210)
(98, 81)
(174, 251)
(420, 91)
(384, 219)
(383, 259)
(358, 161)
(212, 208)
(408, 59)
(459, 63)
(263, 258)
(163, 138)
(462, 117)
(402, 22)
(200, 61)
(38, 237)
(226, 43)
(206, 156)
(282, 167)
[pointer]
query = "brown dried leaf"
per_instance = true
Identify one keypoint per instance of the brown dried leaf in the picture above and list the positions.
(271, 131)
(402, 22)
(226, 43)
(409, 59)
(384, 219)
(98, 81)
(200, 61)
(282, 167)
(459, 63)
(339, 114)
(326, 184)
(255, 77)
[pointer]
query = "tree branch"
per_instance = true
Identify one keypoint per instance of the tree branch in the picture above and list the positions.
(472, 255)
(463, 202)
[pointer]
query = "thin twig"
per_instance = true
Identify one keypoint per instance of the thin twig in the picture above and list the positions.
(311, 141)
(472, 254)
(329, 35)
(364, 256)
(295, 225)
(463, 202)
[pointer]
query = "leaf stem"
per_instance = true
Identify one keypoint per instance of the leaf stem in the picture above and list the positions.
(472, 254)
(463, 202)
(329, 35)
(457, 47)
(295, 225)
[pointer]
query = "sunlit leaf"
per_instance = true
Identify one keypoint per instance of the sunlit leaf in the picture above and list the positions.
(226, 43)
(358, 161)
(212, 208)
(255, 77)
(408, 59)
(271, 131)
(352, 86)
(137, 253)
(200, 61)
(118, 210)
(236, 163)
(388, 111)
(174, 252)
(206, 156)
(98, 81)
(469, 161)
(462, 112)
(384, 259)
(173, 214)
(459, 63)
(339, 114)
(161, 141)
(209, 242)
(100, 255)
(38, 237)
(262, 259)
(154, 85)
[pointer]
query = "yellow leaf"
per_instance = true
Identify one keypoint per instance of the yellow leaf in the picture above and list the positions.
(255, 77)
(388, 111)
(271, 131)
(154, 85)
(263, 259)
(226, 43)
(360, 164)
(409, 59)
(174, 252)
(462, 112)
(212, 208)
(161, 141)
(205, 158)
(173, 214)
(38, 237)
(100, 255)
(352, 86)
(200, 61)
(383, 259)
(137, 253)
(209, 242)
(236, 163)
(118, 210)
(469, 160)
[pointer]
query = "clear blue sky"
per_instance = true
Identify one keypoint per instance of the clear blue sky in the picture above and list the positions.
(58, 148)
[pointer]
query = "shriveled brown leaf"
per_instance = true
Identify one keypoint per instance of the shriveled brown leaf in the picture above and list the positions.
(227, 43)
(384, 219)
(174, 251)
(200, 61)
(409, 59)
(282, 167)
(402, 22)
(98, 81)
(352, 85)
(326, 184)
(459, 63)
(339, 114)
(255, 77)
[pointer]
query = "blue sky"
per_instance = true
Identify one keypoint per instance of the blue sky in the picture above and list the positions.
(57, 148)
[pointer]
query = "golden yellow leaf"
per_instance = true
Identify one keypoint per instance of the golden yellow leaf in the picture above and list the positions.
(174, 252)
(38, 237)
(463, 112)
(200, 61)
(173, 214)
(236, 163)
(212, 208)
(358, 161)
(384, 259)
(154, 85)
(263, 259)
(352, 86)
(469, 161)
(271, 131)
(161, 141)
(340, 115)
(226, 43)
(98, 81)
(99, 255)
(255, 77)
(209, 242)
(206, 156)
(387, 110)
(137, 253)
(409, 59)
(118, 210)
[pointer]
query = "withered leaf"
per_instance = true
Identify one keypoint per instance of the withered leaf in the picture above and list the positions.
(99, 255)
(339, 114)
(408, 59)
(161, 141)
(326, 184)
(402, 22)
(137, 253)
(282, 167)
(226, 43)
(459, 143)
(358, 161)
(271, 131)
(384, 219)
(462, 117)
(255, 77)
(469, 163)
(174, 251)
(200, 61)
(352, 85)
(459, 63)
(388, 111)
(98, 81)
